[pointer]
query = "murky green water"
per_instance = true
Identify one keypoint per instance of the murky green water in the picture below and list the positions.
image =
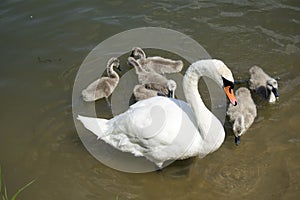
(42, 46)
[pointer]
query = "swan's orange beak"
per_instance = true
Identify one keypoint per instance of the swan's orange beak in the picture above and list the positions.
(230, 94)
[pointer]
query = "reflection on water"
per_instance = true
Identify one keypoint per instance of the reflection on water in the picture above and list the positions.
(41, 55)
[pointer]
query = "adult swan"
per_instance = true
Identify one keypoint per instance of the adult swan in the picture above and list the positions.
(163, 129)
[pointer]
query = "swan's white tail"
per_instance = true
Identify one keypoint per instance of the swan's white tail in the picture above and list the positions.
(98, 126)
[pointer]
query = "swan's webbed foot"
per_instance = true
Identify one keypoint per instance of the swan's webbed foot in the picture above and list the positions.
(237, 140)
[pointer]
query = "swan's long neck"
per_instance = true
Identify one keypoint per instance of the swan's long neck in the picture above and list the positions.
(190, 87)
(210, 128)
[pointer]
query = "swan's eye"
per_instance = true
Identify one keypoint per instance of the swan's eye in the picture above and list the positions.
(228, 83)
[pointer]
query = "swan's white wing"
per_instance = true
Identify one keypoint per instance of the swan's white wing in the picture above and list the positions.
(157, 128)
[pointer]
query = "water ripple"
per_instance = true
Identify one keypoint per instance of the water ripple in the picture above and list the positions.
(231, 178)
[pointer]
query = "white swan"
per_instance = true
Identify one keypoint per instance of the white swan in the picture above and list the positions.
(162, 129)
(243, 114)
(147, 91)
(103, 87)
(156, 63)
(263, 84)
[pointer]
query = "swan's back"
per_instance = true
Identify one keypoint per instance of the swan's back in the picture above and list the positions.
(158, 128)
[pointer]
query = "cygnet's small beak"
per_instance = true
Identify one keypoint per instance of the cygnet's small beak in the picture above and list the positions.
(237, 140)
(171, 94)
(230, 94)
(132, 54)
(275, 92)
(119, 68)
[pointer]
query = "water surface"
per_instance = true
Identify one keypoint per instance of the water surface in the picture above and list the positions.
(42, 46)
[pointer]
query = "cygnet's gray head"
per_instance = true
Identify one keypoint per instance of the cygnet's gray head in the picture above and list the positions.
(132, 62)
(171, 85)
(272, 87)
(137, 52)
(114, 62)
(239, 128)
